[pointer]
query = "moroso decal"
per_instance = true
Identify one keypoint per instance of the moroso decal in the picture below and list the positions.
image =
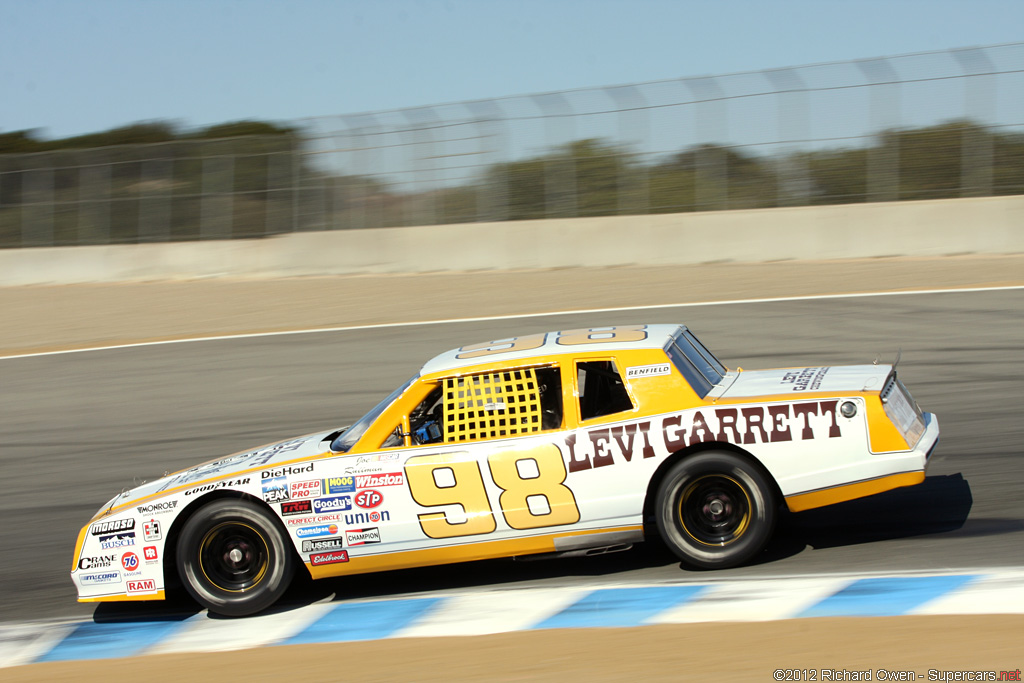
(101, 528)
(771, 423)
(328, 558)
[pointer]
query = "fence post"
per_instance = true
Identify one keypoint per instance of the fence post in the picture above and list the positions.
(711, 182)
(492, 199)
(630, 101)
(883, 167)
(560, 198)
(791, 95)
(979, 104)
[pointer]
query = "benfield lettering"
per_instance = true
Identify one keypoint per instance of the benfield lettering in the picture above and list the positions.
(742, 425)
(328, 558)
(374, 480)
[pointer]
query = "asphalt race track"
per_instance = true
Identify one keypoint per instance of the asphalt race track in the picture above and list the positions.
(75, 429)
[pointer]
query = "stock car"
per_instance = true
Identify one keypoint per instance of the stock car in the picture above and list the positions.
(567, 442)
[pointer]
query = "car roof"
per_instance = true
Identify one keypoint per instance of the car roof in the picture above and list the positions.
(656, 337)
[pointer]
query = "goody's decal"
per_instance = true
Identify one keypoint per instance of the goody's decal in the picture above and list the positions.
(332, 504)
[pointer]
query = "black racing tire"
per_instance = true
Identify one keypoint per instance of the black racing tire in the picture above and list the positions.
(233, 558)
(715, 510)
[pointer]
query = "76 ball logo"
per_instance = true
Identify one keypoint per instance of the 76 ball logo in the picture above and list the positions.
(130, 561)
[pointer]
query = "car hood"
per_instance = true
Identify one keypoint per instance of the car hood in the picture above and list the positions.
(840, 379)
(262, 458)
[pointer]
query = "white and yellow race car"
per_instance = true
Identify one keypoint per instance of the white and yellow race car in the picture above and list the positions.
(559, 442)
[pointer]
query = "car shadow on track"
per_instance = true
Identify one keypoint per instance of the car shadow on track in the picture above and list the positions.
(939, 505)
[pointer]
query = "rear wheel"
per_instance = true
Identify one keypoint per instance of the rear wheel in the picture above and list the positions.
(715, 510)
(233, 559)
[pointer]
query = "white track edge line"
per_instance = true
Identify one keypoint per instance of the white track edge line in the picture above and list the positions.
(516, 316)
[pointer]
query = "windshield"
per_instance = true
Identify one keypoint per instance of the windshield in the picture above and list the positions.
(348, 438)
(700, 368)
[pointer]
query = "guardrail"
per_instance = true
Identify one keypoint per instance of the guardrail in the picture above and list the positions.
(927, 228)
(912, 127)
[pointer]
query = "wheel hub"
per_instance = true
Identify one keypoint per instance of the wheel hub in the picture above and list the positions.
(234, 556)
(714, 509)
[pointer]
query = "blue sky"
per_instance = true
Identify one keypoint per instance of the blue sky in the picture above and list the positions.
(72, 67)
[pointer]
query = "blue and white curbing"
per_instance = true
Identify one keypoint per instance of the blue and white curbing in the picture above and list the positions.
(500, 610)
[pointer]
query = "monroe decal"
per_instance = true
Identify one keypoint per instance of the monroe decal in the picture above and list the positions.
(742, 425)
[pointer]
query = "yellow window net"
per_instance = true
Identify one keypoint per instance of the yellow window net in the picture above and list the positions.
(491, 405)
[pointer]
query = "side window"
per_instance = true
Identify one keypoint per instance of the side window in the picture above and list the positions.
(601, 389)
(501, 404)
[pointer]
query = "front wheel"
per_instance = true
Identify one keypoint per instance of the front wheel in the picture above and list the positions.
(715, 510)
(233, 559)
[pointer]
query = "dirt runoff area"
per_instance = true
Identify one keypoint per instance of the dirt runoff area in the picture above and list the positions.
(942, 648)
(48, 318)
(42, 318)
